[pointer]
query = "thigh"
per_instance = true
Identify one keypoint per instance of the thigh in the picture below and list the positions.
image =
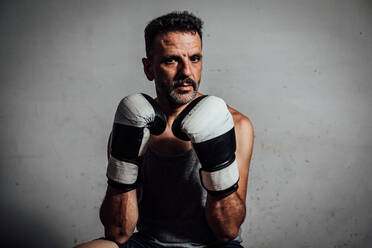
(135, 241)
(98, 243)
(138, 241)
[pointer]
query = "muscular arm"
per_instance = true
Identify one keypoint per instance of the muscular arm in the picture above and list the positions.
(119, 210)
(119, 213)
(225, 215)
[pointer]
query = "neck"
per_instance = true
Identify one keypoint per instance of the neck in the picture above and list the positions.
(170, 110)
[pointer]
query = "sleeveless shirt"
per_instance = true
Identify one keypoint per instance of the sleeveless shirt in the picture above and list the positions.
(172, 201)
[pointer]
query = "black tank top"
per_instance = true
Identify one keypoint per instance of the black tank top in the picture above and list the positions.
(172, 201)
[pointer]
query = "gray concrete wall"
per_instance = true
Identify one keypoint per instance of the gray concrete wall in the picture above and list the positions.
(301, 70)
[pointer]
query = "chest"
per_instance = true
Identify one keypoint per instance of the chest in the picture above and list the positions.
(168, 144)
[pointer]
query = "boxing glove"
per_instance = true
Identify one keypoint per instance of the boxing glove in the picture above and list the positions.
(136, 117)
(207, 122)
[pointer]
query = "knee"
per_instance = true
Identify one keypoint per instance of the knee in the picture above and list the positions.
(98, 243)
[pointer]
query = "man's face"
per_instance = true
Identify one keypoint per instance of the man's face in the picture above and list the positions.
(176, 66)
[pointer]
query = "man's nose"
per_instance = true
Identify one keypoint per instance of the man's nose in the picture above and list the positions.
(186, 68)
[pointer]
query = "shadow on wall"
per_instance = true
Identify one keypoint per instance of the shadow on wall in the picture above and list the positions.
(21, 228)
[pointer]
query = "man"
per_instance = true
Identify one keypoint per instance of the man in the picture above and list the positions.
(178, 165)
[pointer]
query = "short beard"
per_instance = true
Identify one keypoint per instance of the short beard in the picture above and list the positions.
(178, 99)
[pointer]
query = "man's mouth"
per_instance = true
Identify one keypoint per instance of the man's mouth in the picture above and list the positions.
(185, 85)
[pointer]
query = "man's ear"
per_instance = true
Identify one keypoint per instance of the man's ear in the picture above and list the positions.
(147, 68)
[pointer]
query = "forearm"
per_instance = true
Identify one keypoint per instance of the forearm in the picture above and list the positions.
(225, 216)
(119, 214)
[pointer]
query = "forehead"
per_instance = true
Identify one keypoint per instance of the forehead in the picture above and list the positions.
(177, 42)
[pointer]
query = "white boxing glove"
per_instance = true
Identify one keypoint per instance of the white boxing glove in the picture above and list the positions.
(207, 122)
(136, 117)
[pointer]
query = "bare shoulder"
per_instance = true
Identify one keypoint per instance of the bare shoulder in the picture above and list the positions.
(244, 134)
(242, 123)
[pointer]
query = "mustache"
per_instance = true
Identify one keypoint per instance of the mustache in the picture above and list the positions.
(179, 83)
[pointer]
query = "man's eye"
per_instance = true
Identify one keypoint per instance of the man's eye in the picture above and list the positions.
(170, 60)
(195, 58)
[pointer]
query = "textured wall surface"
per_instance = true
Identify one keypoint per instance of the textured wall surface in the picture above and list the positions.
(301, 70)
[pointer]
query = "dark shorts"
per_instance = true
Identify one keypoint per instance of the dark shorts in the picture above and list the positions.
(137, 240)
